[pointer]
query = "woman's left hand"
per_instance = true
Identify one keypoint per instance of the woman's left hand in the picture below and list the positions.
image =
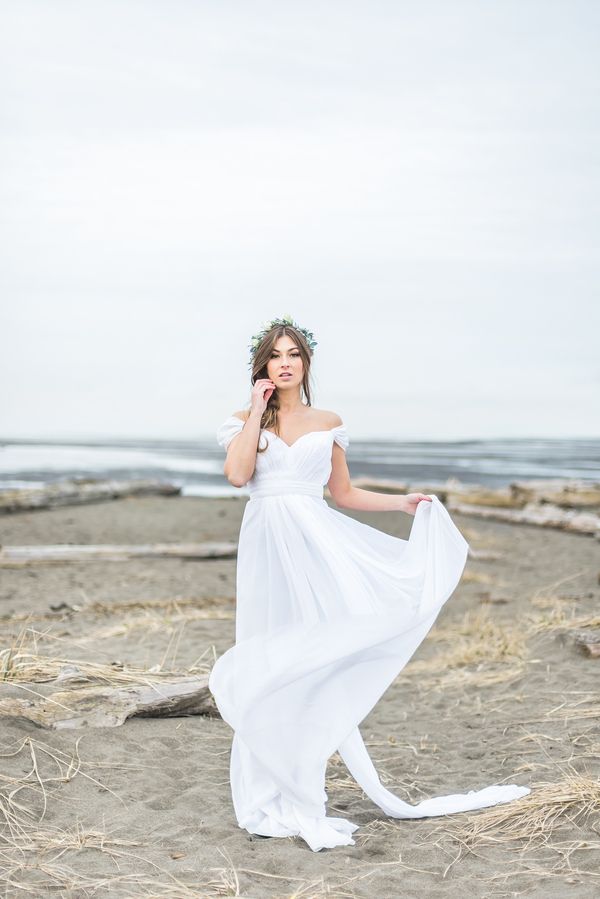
(412, 500)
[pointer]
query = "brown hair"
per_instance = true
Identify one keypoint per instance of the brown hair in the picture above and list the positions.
(269, 418)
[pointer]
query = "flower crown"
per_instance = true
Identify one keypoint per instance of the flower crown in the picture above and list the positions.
(286, 320)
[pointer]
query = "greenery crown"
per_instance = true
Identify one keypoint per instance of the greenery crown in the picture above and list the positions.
(286, 320)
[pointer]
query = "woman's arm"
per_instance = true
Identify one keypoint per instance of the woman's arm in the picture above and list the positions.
(348, 497)
(241, 452)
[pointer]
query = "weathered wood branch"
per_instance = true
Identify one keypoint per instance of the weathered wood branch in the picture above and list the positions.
(81, 490)
(15, 556)
(93, 705)
(543, 515)
(571, 505)
(567, 493)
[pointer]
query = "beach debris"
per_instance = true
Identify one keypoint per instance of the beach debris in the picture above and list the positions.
(17, 556)
(480, 495)
(564, 493)
(589, 643)
(491, 599)
(63, 606)
(568, 493)
(541, 514)
(75, 491)
(570, 504)
(52, 706)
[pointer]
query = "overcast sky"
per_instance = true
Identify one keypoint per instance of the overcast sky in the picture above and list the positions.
(416, 183)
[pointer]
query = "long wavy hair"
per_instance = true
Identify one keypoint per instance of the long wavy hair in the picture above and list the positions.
(270, 417)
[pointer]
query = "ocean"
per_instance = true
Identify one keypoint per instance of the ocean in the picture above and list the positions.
(197, 465)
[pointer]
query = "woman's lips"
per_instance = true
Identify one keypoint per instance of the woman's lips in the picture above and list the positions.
(286, 375)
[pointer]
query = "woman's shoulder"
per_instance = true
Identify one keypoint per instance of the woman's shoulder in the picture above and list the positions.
(329, 419)
(243, 414)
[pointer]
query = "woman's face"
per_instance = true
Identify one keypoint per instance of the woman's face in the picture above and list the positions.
(285, 366)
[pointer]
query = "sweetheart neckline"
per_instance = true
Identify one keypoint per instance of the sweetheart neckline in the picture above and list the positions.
(290, 445)
(308, 433)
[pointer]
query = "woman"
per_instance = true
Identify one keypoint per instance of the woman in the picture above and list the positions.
(328, 609)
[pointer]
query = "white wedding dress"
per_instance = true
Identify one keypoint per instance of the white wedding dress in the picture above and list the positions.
(328, 611)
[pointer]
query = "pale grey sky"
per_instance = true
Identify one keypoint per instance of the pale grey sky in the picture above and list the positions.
(416, 183)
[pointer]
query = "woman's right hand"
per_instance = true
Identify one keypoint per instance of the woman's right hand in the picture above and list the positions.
(261, 394)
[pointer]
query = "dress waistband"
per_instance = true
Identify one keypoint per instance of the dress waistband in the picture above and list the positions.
(281, 486)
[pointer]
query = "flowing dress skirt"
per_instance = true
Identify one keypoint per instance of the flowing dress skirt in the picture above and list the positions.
(329, 611)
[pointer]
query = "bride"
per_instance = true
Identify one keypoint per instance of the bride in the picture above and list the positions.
(328, 610)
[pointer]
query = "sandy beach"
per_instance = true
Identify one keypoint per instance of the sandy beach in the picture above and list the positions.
(499, 692)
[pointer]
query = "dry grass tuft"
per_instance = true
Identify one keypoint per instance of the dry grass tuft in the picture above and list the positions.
(562, 619)
(549, 597)
(108, 609)
(532, 824)
(479, 577)
(586, 706)
(22, 662)
(482, 652)
(150, 621)
(533, 818)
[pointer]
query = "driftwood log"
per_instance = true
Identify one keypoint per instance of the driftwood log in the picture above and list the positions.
(81, 490)
(567, 493)
(543, 515)
(567, 504)
(17, 556)
(444, 490)
(57, 706)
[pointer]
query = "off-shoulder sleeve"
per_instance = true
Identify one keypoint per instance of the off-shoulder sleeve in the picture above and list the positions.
(228, 430)
(340, 435)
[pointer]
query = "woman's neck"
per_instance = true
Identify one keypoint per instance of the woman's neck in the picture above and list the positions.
(292, 409)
